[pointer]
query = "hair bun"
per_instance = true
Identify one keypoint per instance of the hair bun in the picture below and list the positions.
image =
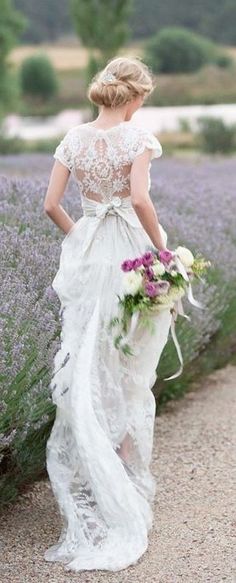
(122, 80)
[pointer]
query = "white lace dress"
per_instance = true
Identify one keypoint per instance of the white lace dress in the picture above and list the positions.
(103, 397)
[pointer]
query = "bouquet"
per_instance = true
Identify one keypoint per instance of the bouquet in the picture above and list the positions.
(153, 282)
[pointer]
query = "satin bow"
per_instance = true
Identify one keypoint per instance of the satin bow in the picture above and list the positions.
(103, 208)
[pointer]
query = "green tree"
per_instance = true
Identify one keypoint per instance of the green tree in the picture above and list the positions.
(102, 26)
(11, 25)
(178, 50)
(38, 77)
(216, 136)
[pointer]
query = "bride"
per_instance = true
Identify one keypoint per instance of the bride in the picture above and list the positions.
(99, 451)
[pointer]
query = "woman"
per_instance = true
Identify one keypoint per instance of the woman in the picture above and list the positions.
(99, 450)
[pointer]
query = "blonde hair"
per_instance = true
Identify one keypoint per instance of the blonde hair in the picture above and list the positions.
(120, 81)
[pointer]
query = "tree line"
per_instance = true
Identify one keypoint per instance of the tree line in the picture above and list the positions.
(48, 21)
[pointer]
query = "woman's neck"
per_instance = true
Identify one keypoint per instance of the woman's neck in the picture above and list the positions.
(110, 117)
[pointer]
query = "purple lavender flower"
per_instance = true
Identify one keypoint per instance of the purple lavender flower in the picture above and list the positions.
(205, 195)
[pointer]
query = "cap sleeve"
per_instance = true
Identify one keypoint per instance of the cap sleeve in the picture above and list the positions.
(153, 144)
(63, 152)
(146, 139)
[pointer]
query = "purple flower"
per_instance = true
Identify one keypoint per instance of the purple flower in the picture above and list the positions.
(137, 262)
(127, 265)
(151, 289)
(149, 272)
(162, 287)
(156, 288)
(165, 256)
(147, 259)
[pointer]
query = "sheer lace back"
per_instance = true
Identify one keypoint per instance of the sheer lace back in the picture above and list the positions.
(100, 160)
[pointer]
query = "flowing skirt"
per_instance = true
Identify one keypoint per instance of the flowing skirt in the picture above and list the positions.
(99, 451)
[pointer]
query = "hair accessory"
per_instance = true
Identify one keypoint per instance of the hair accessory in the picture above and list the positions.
(108, 78)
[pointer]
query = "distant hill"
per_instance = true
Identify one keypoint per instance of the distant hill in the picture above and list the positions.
(51, 20)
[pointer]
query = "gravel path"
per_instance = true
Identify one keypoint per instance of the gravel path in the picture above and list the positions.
(193, 539)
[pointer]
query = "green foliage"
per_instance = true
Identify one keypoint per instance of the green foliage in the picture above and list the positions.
(212, 18)
(145, 306)
(94, 64)
(177, 50)
(215, 136)
(38, 77)
(17, 145)
(102, 24)
(46, 20)
(11, 25)
(9, 91)
(224, 61)
(10, 145)
(218, 352)
(27, 456)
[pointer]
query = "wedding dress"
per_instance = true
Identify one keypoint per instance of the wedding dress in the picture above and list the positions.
(99, 451)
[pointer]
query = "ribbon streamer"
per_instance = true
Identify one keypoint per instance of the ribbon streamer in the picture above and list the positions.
(180, 370)
(178, 309)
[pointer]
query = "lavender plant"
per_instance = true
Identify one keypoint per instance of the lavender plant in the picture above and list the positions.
(196, 205)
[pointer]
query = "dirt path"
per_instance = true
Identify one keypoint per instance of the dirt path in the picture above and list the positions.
(194, 535)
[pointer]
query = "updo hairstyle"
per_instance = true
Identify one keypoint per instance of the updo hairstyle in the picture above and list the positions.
(120, 81)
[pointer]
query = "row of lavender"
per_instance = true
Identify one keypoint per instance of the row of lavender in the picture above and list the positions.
(196, 205)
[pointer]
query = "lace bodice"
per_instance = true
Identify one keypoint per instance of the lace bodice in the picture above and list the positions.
(101, 160)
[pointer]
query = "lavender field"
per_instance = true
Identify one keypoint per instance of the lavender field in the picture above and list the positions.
(196, 204)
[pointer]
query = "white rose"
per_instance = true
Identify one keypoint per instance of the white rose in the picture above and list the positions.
(158, 268)
(185, 256)
(132, 282)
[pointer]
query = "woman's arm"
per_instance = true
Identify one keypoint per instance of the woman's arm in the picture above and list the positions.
(141, 200)
(56, 188)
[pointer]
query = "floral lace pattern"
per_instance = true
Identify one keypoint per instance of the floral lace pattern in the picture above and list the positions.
(101, 160)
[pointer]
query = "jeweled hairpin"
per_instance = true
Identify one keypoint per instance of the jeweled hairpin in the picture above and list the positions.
(108, 78)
